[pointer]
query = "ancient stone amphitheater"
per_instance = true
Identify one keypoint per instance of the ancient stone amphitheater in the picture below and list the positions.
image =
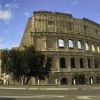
(73, 44)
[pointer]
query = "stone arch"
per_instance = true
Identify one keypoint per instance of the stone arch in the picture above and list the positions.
(79, 79)
(79, 44)
(93, 48)
(95, 63)
(72, 62)
(62, 62)
(98, 79)
(63, 81)
(87, 46)
(71, 43)
(98, 49)
(74, 81)
(81, 63)
(61, 43)
(89, 62)
(91, 80)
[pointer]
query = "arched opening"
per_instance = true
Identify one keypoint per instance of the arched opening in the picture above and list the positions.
(82, 79)
(70, 44)
(61, 43)
(74, 81)
(79, 79)
(89, 62)
(93, 48)
(79, 44)
(87, 46)
(73, 62)
(81, 63)
(91, 80)
(98, 79)
(85, 27)
(62, 63)
(98, 49)
(95, 63)
(63, 81)
(69, 26)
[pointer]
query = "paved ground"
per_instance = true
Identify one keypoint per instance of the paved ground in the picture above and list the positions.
(21, 94)
(53, 87)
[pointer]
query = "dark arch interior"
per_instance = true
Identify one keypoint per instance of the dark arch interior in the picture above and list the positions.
(63, 81)
(72, 62)
(81, 63)
(62, 63)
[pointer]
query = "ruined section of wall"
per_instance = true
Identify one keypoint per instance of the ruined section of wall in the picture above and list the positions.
(59, 23)
(40, 43)
(91, 28)
(27, 39)
(73, 44)
(53, 22)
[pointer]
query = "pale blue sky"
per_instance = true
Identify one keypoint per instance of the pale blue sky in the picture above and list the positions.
(14, 15)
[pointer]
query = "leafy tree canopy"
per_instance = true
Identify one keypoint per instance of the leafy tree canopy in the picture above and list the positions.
(23, 64)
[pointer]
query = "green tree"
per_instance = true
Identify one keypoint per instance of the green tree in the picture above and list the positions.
(44, 72)
(27, 63)
(80, 78)
(12, 64)
(47, 68)
(34, 61)
(4, 62)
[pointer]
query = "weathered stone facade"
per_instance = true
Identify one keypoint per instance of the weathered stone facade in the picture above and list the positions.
(73, 44)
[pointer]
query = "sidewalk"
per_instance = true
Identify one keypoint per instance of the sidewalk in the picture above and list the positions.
(77, 87)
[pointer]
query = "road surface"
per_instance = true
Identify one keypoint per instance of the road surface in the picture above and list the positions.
(7, 94)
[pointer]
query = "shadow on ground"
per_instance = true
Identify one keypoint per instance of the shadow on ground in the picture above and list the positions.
(7, 99)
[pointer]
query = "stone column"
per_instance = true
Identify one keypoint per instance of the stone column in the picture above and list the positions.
(68, 63)
(38, 82)
(74, 81)
(86, 62)
(84, 45)
(87, 79)
(56, 64)
(69, 80)
(66, 45)
(75, 45)
(59, 82)
(33, 80)
(56, 43)
(77, 62)
(56, 81)
(91, 81)
(90, 46)
(93, 62)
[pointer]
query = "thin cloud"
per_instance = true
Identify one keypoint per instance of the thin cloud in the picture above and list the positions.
(5, 15)
(7, 11)
(11, 5)
(74, 2)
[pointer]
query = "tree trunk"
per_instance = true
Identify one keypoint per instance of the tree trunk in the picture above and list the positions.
(27, 80)
(33, 80)
(23, 80)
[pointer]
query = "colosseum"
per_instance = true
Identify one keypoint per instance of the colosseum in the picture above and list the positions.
(73, 44)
